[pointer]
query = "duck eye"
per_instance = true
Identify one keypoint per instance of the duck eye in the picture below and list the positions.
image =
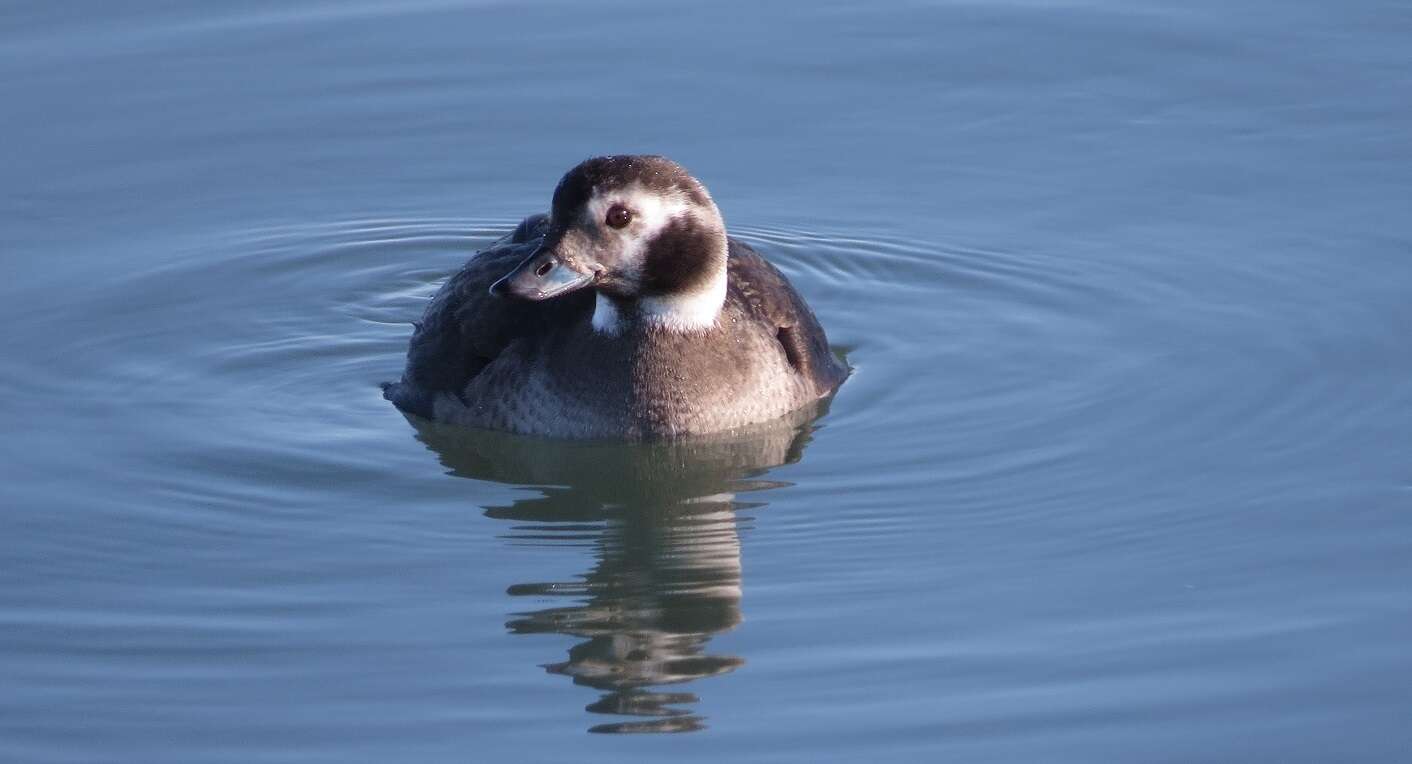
(618, 216)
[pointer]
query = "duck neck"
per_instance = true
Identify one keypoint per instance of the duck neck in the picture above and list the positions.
(687, 312)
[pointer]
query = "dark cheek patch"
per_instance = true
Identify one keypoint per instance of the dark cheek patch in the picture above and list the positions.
(679, 259)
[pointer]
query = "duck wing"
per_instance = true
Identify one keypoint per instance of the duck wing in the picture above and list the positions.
(464, 327)
(767, 296)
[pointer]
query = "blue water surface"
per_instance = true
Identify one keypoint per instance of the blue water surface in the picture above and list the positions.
(1123, 472)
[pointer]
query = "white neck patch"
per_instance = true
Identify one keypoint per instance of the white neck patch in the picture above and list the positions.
(683, 313)
(606, 319)
(690, 312)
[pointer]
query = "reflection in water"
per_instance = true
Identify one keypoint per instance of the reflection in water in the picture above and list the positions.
(662, 520)
(662, 586)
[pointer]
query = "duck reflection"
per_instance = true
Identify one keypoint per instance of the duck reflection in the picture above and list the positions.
(662, 521)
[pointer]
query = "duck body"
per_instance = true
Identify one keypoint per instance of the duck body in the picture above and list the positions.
(656, 348)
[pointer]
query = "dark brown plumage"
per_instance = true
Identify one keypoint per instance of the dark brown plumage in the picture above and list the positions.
(542, 368)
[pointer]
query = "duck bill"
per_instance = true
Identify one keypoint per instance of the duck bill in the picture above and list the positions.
(541, 276)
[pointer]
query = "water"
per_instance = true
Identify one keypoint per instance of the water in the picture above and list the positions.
(1122, 473)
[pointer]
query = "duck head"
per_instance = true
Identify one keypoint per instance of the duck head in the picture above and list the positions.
(640, 231)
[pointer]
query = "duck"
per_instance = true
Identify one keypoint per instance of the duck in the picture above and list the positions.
(625, 313)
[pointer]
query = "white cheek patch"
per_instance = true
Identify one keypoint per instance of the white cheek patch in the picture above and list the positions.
(652, 212)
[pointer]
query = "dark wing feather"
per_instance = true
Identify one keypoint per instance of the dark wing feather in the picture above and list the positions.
(464, 328)
(767, 296)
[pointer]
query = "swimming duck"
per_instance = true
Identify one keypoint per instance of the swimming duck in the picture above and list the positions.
(626, 313)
